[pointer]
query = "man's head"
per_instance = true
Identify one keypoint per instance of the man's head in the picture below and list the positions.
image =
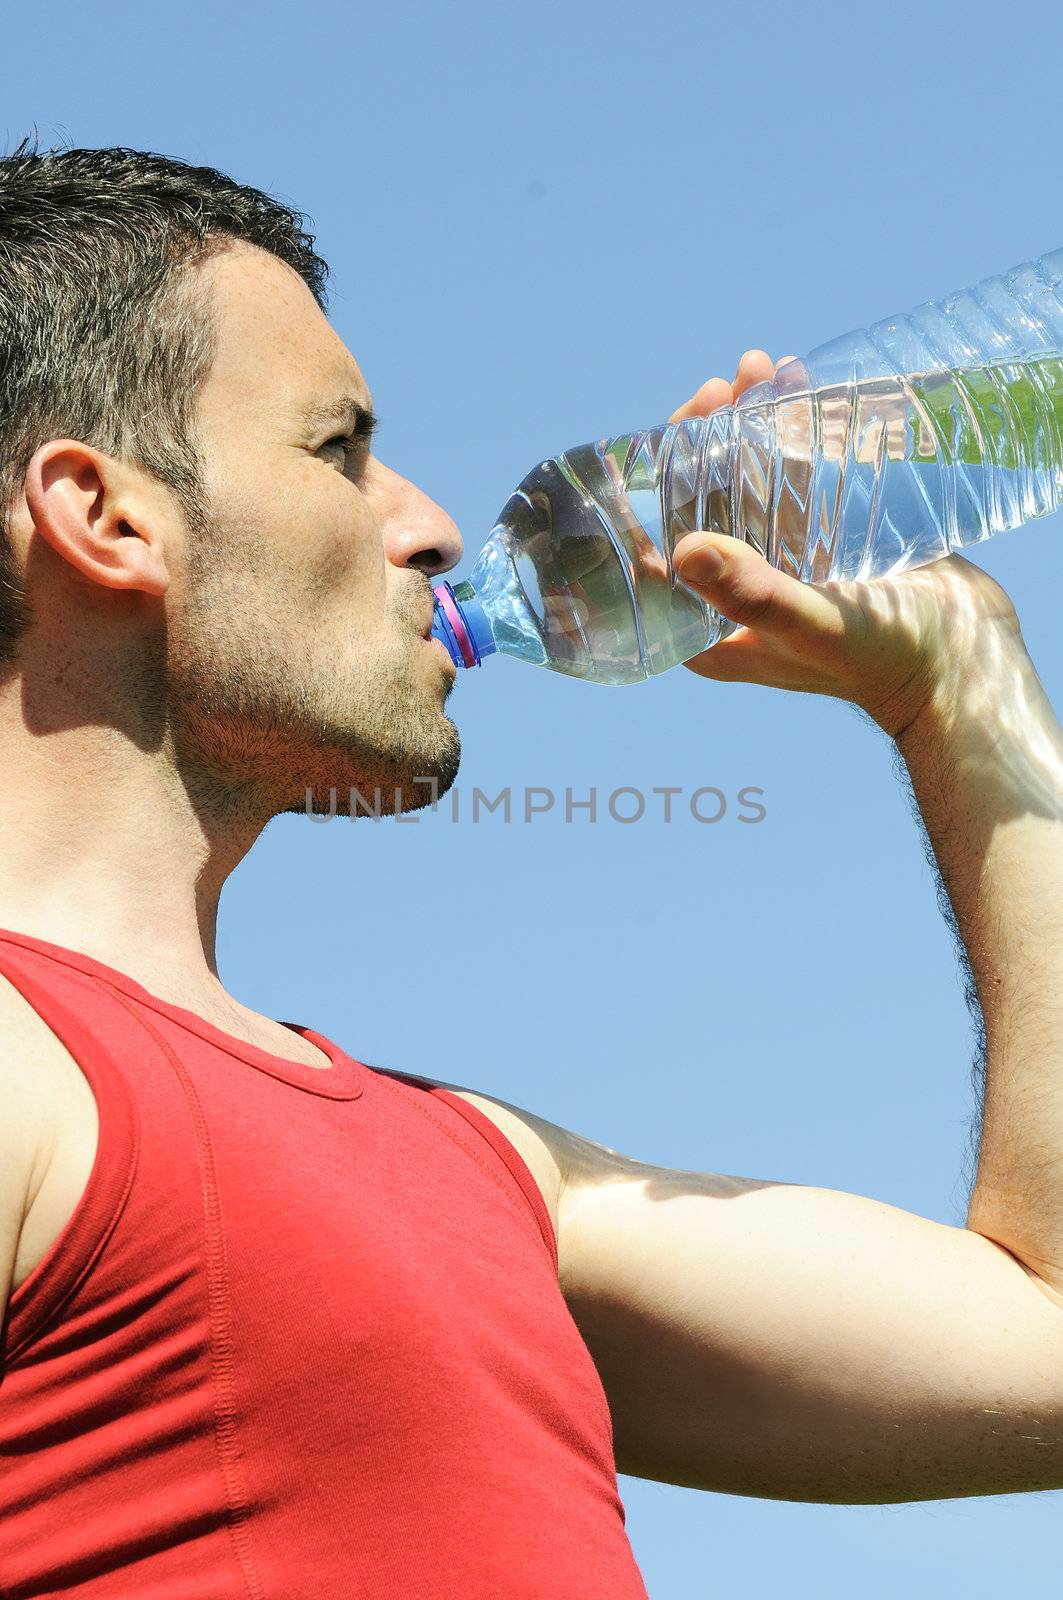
(192, 521)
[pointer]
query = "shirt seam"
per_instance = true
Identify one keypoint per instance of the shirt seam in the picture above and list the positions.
(515, 1163)
(221, 1337)
(523, 1208)
(33, 1313)
(238, 1049)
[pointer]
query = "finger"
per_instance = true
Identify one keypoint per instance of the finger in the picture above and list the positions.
(782, 362)
(740, 658)
(714, 393)
(747, 589)
(756, 366)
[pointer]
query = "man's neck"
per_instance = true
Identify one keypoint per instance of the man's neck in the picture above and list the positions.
(105, 852)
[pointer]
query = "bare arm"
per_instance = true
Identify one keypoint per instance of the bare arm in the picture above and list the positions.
(985, 761)
(802, 1343)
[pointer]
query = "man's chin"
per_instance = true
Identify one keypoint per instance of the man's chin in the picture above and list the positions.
(393, 788)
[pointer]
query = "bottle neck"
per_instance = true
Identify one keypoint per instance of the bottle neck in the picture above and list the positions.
(476, 622)
(461, 624)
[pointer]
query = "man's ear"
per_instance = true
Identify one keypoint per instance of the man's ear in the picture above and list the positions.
(89, 509)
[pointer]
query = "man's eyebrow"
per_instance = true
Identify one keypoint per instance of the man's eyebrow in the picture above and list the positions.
(346, 409)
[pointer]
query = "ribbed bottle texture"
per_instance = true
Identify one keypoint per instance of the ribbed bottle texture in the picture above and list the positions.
(894, 445)
(883, 450)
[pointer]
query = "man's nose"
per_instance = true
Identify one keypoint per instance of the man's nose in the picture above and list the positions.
(417, 532)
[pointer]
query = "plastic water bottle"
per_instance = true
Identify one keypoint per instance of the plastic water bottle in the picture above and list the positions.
(883, 450)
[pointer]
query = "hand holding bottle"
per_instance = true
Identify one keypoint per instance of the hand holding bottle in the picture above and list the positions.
(889, 645)
(882, 452)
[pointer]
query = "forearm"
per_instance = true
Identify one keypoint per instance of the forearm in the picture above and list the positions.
(985, 759)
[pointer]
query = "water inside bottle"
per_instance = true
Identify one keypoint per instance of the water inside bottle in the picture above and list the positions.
(577, 575)
(885, 474)
(844, 481)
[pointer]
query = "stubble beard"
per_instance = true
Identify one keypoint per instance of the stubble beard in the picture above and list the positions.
(259, 731)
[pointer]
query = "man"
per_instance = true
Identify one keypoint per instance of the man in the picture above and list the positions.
(284, 1324)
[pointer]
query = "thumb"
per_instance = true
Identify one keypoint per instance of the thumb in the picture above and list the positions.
(738, 582)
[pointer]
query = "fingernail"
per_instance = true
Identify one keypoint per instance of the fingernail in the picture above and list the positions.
(702, 565)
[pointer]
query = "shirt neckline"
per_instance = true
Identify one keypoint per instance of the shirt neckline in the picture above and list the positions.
(344, 1079)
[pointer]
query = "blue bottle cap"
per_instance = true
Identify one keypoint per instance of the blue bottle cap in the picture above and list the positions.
(461, 625)
(448, 625)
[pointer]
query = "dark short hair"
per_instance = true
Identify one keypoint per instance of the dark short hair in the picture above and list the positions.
(101, 338)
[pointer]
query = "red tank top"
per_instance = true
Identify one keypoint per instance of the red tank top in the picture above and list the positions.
(302, 1338)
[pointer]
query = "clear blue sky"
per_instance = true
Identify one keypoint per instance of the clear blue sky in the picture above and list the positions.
(545, 224)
